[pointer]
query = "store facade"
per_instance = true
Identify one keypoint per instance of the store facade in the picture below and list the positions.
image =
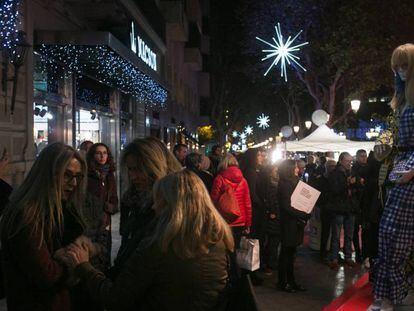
(95, 86)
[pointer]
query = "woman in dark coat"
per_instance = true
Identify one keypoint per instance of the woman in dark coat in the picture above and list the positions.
(147, 160)
(292, 225)
(102, 200)
(193, 163)
(40, 220)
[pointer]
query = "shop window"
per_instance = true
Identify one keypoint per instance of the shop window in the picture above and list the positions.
(47, 125)
(87, 126)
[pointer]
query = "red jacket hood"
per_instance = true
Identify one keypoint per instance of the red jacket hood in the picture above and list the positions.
(233, 174)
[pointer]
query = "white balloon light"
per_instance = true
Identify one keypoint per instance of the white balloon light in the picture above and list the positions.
(320, 117)
(286, 130)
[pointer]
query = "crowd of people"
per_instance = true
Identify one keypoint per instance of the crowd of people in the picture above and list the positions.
(178, 241)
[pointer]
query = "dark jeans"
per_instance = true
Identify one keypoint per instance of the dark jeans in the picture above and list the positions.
(355, 239)
(237, 234)
(326, 221)
(347, 221)
(286, 262)
(370, 233)
(270, 255)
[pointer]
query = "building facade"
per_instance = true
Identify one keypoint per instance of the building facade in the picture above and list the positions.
(106, 71)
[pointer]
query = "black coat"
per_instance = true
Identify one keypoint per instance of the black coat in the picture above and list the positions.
(5, 191)
(341, 198)
(292, 221)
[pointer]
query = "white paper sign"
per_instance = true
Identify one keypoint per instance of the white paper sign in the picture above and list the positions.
(304, 197)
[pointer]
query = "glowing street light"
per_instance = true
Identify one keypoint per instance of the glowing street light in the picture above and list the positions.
(308, 124)
(296, 129)
(355, 104)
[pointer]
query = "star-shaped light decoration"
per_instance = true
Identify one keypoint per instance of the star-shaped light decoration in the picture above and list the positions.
(235, 134)
(243, 136)
(248, 130)
(263, 121)
(282, 51)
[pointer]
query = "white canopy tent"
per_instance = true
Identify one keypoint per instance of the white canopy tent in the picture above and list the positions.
(324, 139)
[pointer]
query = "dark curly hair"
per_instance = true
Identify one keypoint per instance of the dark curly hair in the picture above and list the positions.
(90, 157)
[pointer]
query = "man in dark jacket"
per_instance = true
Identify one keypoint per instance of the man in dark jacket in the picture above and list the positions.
(342, 206)
(360, 172)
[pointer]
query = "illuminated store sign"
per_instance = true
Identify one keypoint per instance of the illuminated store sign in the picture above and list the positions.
(139, 47)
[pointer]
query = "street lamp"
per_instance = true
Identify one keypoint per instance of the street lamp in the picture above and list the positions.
(296, 129)
(355, 104)
(308, 124)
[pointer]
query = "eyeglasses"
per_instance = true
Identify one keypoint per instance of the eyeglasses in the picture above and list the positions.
(68, 177)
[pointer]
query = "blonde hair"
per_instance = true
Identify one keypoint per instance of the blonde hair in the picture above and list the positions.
(404, 55)
(188, 222)
(205, 163)
(38, 201)
(153, 159)
(227, 161)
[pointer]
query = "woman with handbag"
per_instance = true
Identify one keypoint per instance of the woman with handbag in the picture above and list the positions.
(292, 224)
(230, 178)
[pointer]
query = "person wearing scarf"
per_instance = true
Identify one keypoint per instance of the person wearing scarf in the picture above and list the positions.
(101, 201)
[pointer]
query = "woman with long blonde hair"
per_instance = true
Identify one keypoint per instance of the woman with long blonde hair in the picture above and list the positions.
(146, 160)
(182, 266)
(41, 218)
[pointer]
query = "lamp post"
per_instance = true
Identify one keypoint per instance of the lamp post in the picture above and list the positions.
(308, 124)
(296, 129)
(355, 104)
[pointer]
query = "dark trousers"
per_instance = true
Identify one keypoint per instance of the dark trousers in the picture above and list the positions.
(370, 233)
(271, 251)
(286, 262)
(237, 234)
(326, 220)
(355, 239)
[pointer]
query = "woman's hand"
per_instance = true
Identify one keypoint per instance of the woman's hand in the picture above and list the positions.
(246, 231)
(78, 252)
(405, 177)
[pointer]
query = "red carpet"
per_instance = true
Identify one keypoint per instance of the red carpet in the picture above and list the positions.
(356, 298)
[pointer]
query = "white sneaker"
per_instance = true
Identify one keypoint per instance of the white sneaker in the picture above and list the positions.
(383, 306)
(386, 306)
(409, 299)
(367, 265)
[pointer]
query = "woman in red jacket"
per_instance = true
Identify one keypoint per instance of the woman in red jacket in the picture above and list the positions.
(229, 174)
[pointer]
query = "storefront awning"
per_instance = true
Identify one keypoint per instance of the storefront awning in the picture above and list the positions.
(103, 57)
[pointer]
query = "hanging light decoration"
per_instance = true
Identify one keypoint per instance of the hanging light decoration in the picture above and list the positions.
(9, 15)
(106, 66)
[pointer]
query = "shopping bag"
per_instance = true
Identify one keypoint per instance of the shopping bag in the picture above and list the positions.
(248, 255)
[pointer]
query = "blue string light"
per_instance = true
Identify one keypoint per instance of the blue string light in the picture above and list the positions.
(107, 67)
(8, 24)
